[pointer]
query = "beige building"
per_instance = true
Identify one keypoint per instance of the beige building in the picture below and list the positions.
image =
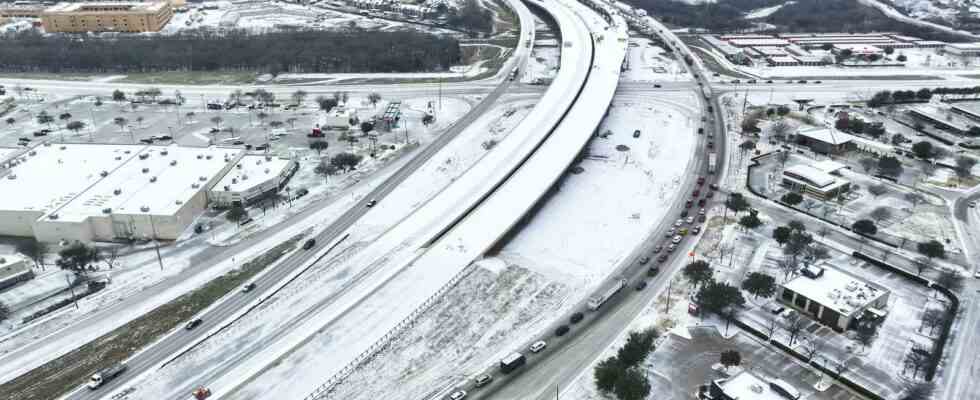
(107, 17)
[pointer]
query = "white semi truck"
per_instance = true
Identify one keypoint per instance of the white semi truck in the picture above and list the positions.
(596, 301)
(105, 375)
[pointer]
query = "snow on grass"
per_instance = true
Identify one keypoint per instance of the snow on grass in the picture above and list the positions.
(650, 63)
(765, 11)
(461, 335)
(615, 198)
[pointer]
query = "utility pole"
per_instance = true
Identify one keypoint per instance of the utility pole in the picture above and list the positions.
(440, 93)
(156, 242)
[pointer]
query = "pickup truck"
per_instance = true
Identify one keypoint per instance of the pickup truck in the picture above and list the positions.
(105, 375)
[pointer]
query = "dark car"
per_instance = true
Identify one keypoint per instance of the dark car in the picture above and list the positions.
(662, 258)
(769, 81)
(688, 204)
(371, 203)
(700, 180)
(713, 186)
(193, 323)
(801, 81)
(657, 85)
(683, 213)
(147, 141)
(309, 244)
(696, 193)
(658, 249)
(238, 142)
(653, 271)
(702, 218)
(39, 134)
(710, 194)
(165, 137)
(262, 147)
(215, 130)
(636, 133)
(641, 285)
(817, 82)
(711, 145)
(248, 287)
(701, 202)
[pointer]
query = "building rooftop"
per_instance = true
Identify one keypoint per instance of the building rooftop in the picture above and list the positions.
(107, 7)
(7, 152)
(938, 116)
(858, 48)
(828, 166)
(783, 59)
(826, 135)
(812, 176)
(251, 170)
(75, 181)
(835, 289)
(747, 386)
(758, 42)
(965, 46)
(929, 43)
(7, 260)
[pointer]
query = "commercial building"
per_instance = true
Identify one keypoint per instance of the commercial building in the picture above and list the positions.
(338, 118)
(10, 11)
(939, 118)
(825, 140)
(253, 177)
(814, 182)
(13, 270)
(746, 385)
(782, 61)
(858, 49)
(97, 192)
(964, 49)
(107, 17)
(834, 298)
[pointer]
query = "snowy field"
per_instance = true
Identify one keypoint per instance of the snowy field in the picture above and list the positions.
(543, 271)
(650, 63)
(331, 276)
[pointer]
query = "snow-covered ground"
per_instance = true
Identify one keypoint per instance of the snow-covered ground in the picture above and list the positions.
(650, 63)
(543, 271)
(335, 274)
(765, 11)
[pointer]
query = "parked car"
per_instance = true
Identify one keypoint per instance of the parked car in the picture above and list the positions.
(678, 223)
(682, 231)
(238, 142)
(662, 258)
(775, 308)
(700, 180)
(309, 244)
(683, 213)
(702, 211)
(457, 395)
(636, 133)
(696, 230)
(653, 271)
(710, 194)
(538, 346)
(696, 193)
(702, 218)
(644, 260)
(688, 204)
(193, 323)
(670, 232)
(713, 186)
(671, 248)
(690, 220)
(972, 204)
(658, 249)
(769, 81)
(677, 239)
(702, 202)
(39, 134)
(657, 85)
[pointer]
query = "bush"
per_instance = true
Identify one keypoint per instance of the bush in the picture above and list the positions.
(561, 330)
(576, 318)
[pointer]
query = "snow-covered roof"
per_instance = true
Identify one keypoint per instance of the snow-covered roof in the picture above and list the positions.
(904, 38)
(826, 135)
(108, 7)
(836, 289)
(828, 166)
(758, 42)
(964, 46)
(78, 180)
(810, 175)
(858, 48)
(7, 259)
(250, 171)
(782, 60)
(746, 385)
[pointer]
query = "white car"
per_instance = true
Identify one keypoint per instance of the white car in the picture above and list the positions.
(677, 239)
(459, 394)
(678, 223)
(538, 346)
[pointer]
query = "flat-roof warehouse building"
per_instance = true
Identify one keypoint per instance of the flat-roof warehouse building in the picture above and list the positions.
(835, 298)
(97, 192)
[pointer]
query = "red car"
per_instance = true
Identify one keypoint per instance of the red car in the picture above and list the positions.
(700, 180)
(701, 203)
(688, 204)
(697, 192)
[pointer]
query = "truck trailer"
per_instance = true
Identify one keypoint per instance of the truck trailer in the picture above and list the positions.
(105, 375)
(712, 162)
(511, 362)
(596, 301)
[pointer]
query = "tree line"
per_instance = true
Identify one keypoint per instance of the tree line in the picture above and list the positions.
(238, 50)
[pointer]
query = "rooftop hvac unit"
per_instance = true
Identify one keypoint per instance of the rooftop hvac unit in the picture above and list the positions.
(145, 209)
(153, 179)
(118, 158)
(62, 147)
(145, 170)
(12, 176)
(53, 216)
(104, 174)
(199, 156)
(268, 158)
(202, 178)
(173, 162)
(244, 177)
(258, 162)
(164, 152)
(179, 202)
(32, 153)
(107, 211)
(144, 156)
(127, 151)
(852, 286)
(117, 192)
(239, 166)
(234, 180)
(207, 157)
(227, 188)
(267, 170)
(195, 185)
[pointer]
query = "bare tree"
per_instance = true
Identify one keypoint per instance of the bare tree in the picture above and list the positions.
(34, 250)
(915, 198)
(880, 213)
(919, 391)
(877, 189)
(916, 360)
(868, 164)
(921, 263)
(809, 204)
(109, 256)
(771, 327)
(950, 279)
(794, 329)
(780, 129)
(813, 347)
(788, 265)
(933, 317)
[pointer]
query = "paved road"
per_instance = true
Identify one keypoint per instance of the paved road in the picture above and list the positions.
(571, 355)
(230, 305)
